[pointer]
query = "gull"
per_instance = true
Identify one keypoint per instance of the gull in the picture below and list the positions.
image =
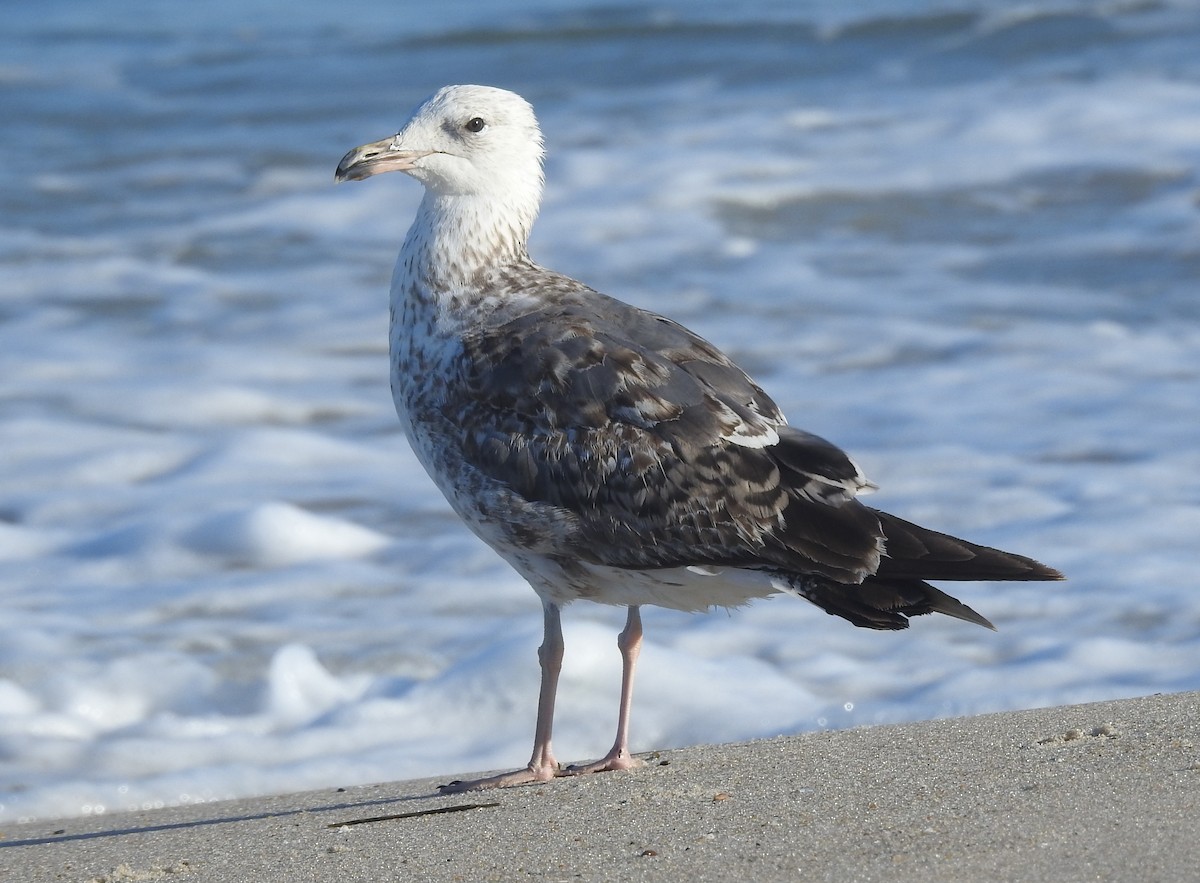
(607, 453)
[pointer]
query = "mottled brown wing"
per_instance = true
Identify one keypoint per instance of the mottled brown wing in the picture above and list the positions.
(665, 451)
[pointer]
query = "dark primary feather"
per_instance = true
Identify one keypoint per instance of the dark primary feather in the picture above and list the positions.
(624, 419)
(915, 552)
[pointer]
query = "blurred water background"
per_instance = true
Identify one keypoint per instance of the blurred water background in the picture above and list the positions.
(961, 239)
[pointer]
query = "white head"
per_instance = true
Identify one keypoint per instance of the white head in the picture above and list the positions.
(478, 151)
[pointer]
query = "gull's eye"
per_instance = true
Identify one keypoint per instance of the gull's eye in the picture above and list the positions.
(474, 124)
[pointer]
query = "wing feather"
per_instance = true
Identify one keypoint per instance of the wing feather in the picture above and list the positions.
(664, 451)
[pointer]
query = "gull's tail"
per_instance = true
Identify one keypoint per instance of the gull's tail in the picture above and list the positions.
(898, 589)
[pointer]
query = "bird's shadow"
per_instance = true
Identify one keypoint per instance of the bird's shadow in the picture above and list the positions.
(63, 837)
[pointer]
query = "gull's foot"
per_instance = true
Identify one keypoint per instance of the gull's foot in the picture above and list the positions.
(526, 776)
(614, 760)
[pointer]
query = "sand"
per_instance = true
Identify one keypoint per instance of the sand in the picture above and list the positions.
(1105, 791)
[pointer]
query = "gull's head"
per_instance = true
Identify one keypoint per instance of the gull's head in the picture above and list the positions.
(461, 141)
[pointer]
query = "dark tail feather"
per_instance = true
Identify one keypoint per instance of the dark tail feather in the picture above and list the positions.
(917, 553)
(883, 603)
(898, 589)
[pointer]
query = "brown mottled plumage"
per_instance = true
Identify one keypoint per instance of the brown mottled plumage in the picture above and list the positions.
(606, 452)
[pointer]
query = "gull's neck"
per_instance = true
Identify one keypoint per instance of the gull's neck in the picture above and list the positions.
(457, 240)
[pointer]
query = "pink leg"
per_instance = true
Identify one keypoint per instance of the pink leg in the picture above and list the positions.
(629, 642)
(542, 765)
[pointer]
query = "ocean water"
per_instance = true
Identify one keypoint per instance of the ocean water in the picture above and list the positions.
(960, 239)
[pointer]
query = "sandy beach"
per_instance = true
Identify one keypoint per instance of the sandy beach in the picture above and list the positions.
(1105, 791)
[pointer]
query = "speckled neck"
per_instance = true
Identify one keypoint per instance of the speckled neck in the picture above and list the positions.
(456, 240)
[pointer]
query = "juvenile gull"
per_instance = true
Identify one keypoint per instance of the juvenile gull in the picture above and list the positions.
(605, 452)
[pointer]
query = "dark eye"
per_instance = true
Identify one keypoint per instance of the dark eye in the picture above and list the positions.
(474, 124)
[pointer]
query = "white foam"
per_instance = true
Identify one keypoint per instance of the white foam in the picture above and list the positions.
(279, 534)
